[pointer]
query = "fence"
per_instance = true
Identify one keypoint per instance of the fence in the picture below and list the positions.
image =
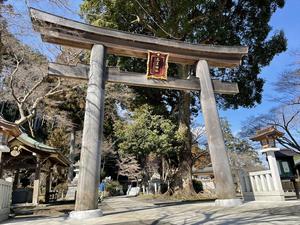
(260, 186)
(5, 199)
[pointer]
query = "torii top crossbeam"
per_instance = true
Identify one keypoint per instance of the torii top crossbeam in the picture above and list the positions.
(59, 30)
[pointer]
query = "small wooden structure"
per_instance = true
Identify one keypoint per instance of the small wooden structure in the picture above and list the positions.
(286, 163)
(30, 155)
(288, 171)
(8, 130)
(101, 41)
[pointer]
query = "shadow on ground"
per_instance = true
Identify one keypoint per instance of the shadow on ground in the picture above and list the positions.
(184, 213)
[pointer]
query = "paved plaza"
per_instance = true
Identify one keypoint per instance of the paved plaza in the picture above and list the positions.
(122, 210)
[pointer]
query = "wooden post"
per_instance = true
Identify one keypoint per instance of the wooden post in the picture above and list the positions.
(50, 180)
(16, 179)
(36, 183)
(48, 186)
(89, 170)
(223, 178)
(295, 187)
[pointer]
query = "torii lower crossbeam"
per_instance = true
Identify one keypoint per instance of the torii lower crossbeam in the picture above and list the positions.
(113, 75)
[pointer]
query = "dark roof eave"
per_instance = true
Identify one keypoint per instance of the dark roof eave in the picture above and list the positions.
(63, 160)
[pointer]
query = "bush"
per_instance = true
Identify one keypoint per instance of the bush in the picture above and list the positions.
(197, 186)
(114, 188)
(163, 188)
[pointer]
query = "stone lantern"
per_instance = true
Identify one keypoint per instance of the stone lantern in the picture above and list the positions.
(267, 138)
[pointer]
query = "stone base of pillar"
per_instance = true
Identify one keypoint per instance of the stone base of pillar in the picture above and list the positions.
(87, 214)
(228, 202)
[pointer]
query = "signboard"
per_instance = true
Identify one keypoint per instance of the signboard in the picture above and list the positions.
(157, 65)
(285, 169)
(285, 166)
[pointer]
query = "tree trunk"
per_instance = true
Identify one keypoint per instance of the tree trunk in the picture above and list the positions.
(183, 180)
(72, 154)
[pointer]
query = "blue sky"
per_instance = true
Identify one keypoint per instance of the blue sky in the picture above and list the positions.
(286, 19)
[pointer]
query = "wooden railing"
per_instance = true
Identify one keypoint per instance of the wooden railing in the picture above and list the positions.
(259, 186)
(5, 199)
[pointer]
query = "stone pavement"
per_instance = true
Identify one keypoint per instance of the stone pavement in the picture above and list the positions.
(131, 211)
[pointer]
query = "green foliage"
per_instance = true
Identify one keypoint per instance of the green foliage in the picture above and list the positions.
(145, 132)
(114, 188)
(233, 142)
(197, 186)
(204, 22)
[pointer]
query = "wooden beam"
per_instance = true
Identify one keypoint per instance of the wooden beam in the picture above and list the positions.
(37, 181)
(59, 30)
(114, 75)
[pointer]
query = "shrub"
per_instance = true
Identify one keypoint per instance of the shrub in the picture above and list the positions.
(197, 186)
(114, 188)
(163, 188)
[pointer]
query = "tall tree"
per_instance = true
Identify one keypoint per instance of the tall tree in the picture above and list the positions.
(144, 132)
(146, 135)
(240, 152)
(242, 22)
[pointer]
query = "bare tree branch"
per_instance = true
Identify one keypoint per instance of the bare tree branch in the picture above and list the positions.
(23, 99)
(32, 111)
(12, 79)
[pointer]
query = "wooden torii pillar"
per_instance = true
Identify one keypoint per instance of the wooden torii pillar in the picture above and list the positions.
(62, 31)
(89, 175)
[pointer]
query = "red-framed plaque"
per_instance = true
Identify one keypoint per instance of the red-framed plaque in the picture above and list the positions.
(157, 65)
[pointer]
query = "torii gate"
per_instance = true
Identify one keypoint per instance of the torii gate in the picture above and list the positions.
(59, 30)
